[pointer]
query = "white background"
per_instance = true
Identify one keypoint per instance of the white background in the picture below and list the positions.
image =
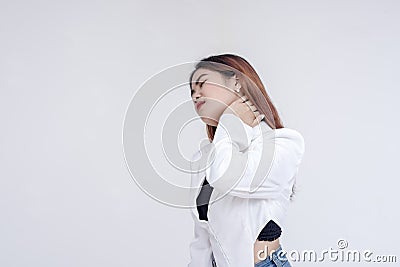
(68, 70)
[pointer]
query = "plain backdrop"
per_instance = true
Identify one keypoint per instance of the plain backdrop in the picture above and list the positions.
(68, 70)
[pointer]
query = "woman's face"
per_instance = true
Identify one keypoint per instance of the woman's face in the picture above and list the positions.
(214, 93)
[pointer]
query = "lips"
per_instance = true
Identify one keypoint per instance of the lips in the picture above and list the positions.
(199, 104)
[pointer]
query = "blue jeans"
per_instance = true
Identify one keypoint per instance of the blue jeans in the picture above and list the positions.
(276, 259)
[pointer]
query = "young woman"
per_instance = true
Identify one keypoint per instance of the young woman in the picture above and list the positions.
(240, 194)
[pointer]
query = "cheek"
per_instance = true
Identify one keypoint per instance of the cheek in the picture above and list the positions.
(211, 110)
(219, 94)
(217, 99)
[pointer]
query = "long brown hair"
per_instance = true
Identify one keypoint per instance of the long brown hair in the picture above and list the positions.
(228, 65)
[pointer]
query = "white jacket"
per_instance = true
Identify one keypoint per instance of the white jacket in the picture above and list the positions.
(246, 194)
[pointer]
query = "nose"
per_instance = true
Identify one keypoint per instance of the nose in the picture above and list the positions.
(196, 97)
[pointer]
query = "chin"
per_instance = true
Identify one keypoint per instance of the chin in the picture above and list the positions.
(209, 121)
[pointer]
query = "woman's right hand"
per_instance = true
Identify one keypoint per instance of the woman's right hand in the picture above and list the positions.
(245, 110)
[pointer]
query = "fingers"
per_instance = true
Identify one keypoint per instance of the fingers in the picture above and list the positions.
(258, 119)
(253, 108)
(250, 104)
(242, 99)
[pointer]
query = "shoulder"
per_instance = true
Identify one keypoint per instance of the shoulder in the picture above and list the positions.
(286, 140)
(290, 144)
(291, 136)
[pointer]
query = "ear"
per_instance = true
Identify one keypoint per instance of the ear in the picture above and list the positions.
(235, 78)
(237, 84)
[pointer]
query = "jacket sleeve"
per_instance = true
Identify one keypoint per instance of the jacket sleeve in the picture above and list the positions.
(265, 170)
(200, 247)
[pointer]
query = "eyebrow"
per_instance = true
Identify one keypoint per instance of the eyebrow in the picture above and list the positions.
(198, 79)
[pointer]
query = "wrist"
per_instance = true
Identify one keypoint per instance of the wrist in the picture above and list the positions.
(232, 127)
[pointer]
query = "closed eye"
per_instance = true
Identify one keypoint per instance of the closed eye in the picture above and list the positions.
(201, 85)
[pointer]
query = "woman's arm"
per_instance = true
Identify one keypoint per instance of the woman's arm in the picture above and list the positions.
(200, 247)
(253, 173)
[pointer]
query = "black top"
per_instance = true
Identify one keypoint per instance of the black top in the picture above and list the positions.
(270, 232)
